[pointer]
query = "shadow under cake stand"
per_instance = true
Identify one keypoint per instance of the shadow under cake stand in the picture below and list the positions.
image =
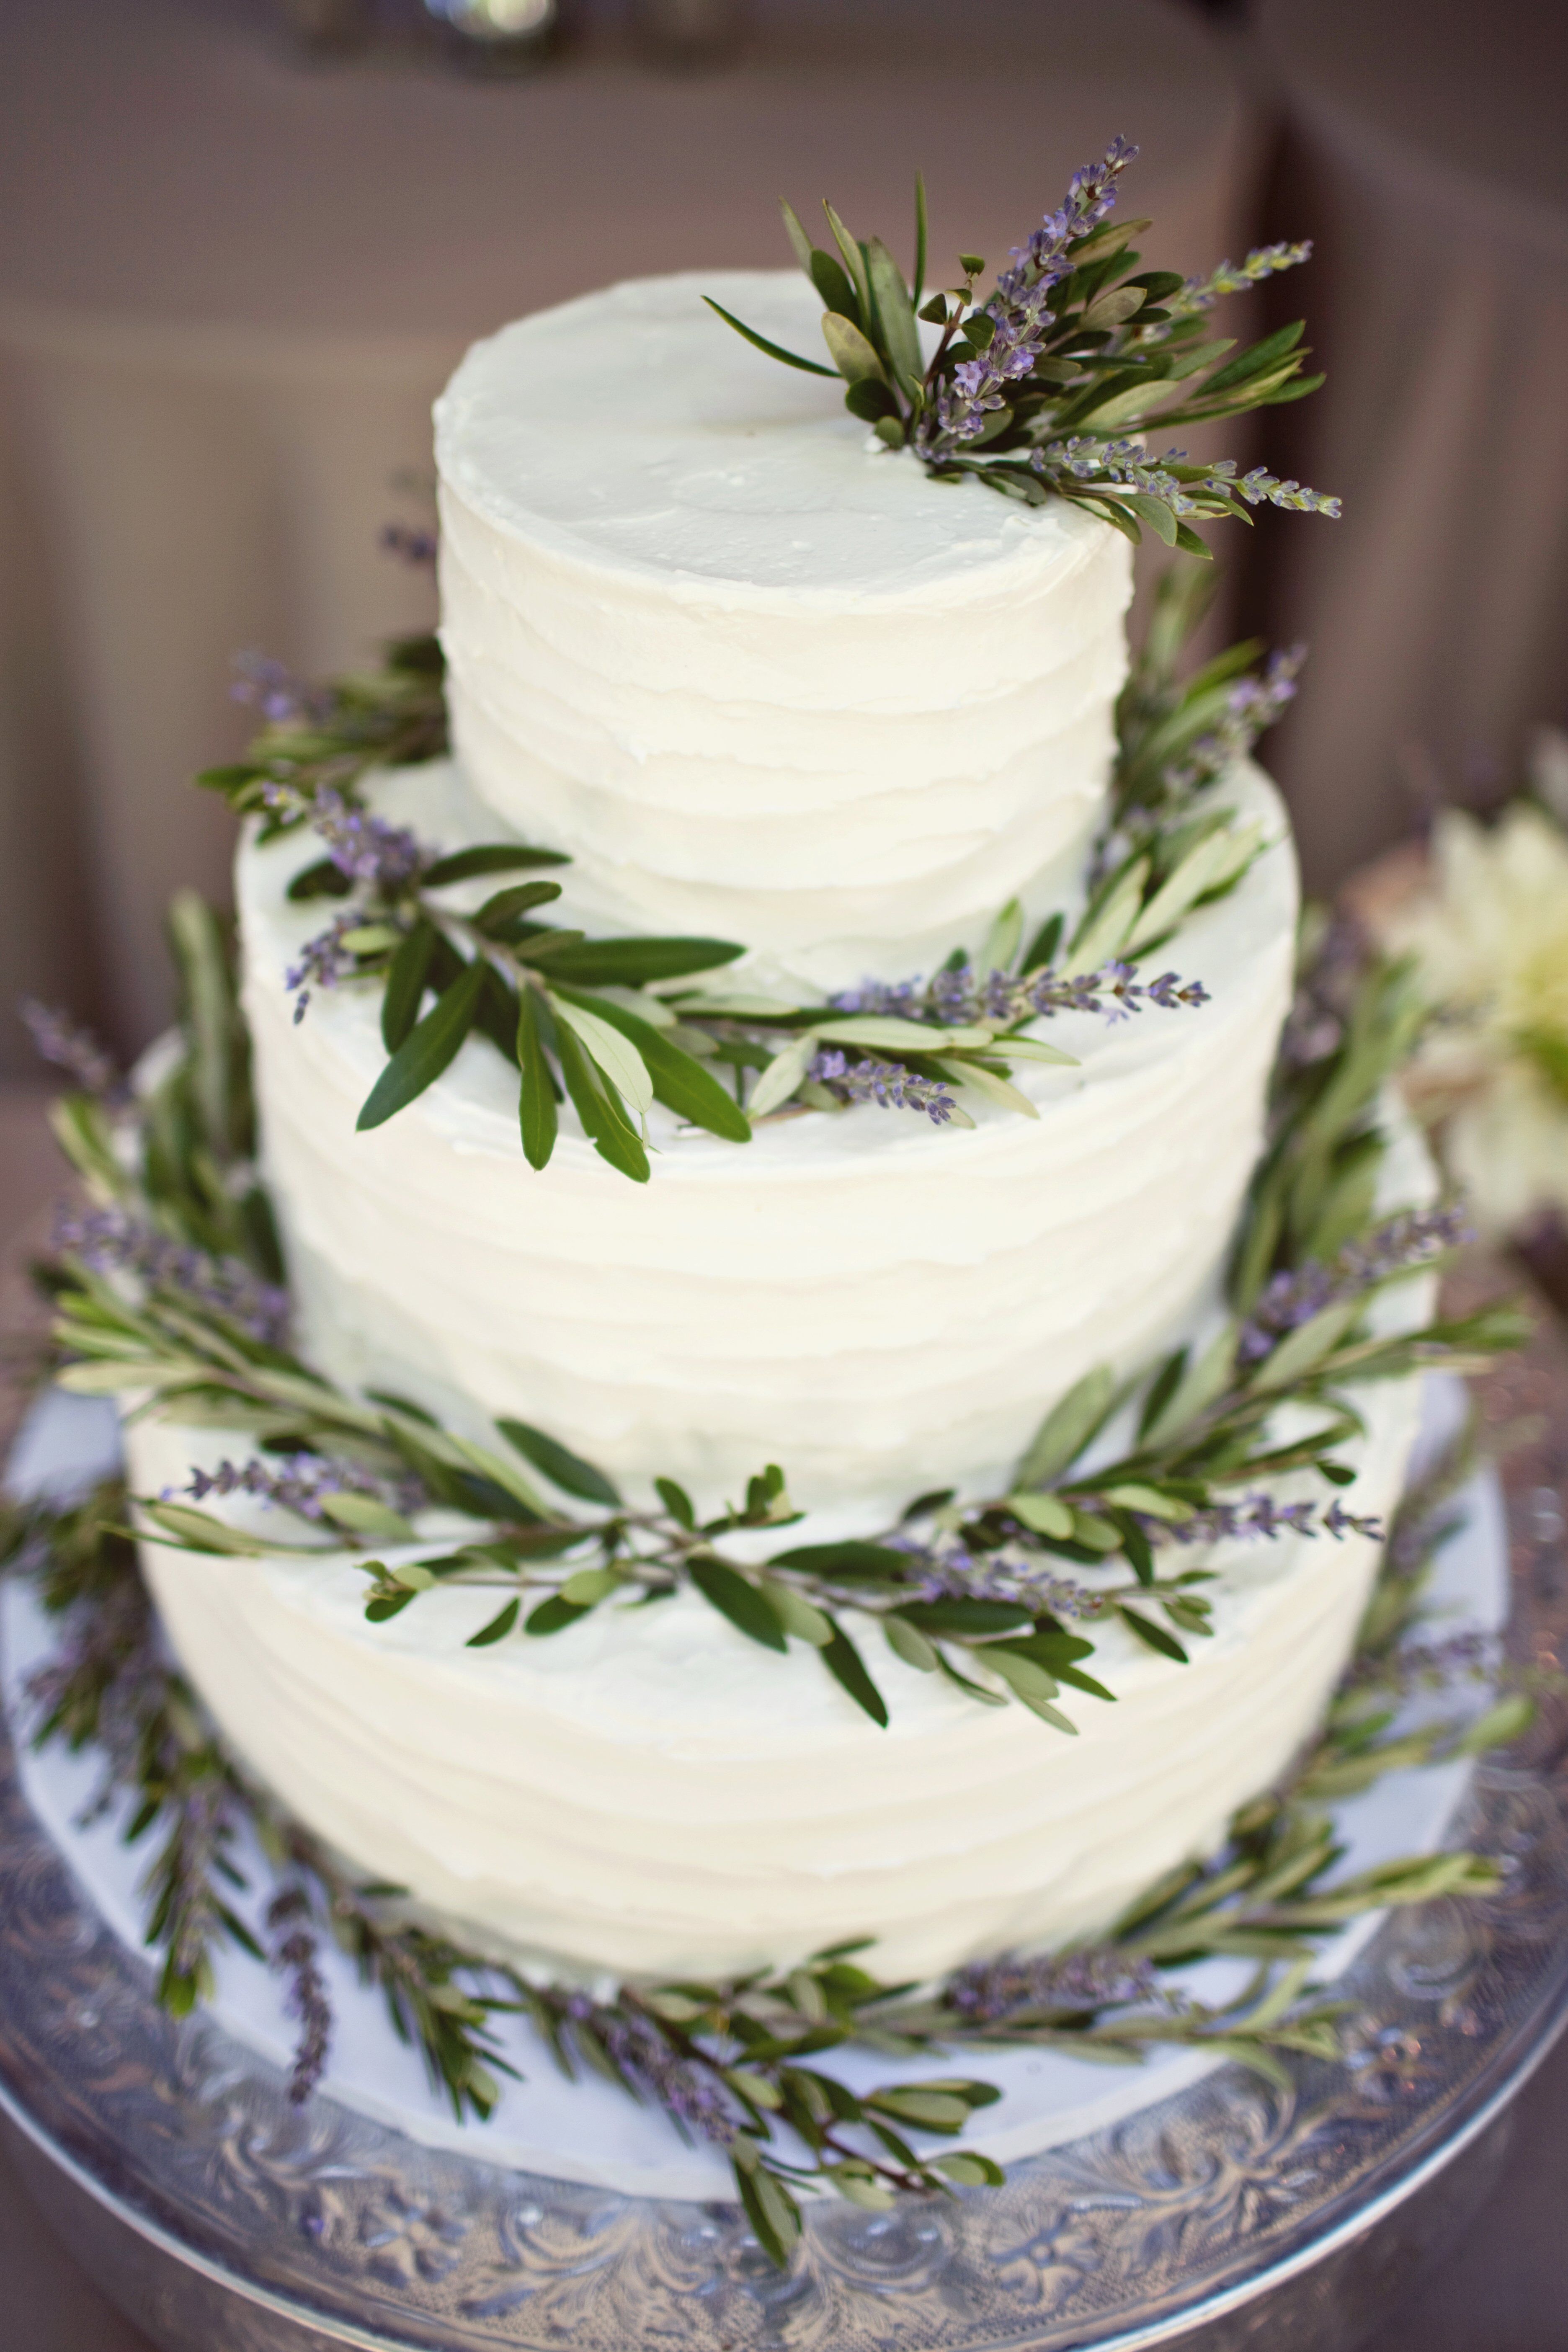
(216, 2215)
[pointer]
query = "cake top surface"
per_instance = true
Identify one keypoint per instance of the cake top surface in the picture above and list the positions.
(631, 430)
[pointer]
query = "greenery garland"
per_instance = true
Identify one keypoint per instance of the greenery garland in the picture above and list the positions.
(748, 2065)
(167, 1285)
(166, 1289)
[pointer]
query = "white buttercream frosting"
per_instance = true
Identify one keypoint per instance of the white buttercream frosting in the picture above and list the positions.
(760, 682)
(881, 1305)
(763, 683)
(651, 1794)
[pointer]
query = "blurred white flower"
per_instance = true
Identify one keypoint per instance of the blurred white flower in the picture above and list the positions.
(1489, 935)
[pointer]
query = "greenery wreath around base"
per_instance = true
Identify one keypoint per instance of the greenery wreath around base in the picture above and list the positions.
(167, 1285)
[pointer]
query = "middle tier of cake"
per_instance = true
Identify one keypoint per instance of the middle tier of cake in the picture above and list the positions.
(880, 1305)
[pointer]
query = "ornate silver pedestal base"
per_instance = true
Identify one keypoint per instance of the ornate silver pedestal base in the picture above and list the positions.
(216, 2215)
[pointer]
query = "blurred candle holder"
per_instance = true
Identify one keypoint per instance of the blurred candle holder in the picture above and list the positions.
(497, 36)
(689, 32)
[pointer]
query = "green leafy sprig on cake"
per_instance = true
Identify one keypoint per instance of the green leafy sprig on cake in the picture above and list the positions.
(748, 2065)
(1048, 386)
(1003, 1596)
(460, 946)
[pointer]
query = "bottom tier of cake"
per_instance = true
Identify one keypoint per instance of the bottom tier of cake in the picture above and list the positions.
(649, 1795)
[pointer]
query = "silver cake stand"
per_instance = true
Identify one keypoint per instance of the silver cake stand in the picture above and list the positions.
(222, 2221)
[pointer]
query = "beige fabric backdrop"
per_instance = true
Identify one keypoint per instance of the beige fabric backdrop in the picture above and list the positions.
(231, 286)
(1427, 153)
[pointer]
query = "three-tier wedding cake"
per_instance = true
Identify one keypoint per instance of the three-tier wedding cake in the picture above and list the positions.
(761, 679)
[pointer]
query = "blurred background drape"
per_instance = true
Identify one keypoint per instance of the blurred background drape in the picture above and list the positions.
(231, 285)
(231, 282)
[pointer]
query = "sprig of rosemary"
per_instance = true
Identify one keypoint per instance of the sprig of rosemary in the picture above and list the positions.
(748, 2064)
(1039, 402)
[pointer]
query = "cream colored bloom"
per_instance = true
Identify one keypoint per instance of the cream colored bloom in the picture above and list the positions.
(1490, 937)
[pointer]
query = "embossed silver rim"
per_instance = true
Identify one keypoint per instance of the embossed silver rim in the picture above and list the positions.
(1173, 2218)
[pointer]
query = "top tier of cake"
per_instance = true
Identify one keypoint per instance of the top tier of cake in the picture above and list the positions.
(759, 683)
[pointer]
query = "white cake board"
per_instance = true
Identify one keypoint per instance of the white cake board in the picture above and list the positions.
(588, 2131)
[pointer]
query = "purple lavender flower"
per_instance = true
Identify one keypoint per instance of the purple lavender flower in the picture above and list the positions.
(636, 2047)
(365, 847)
(1399, 1246)
(1124, 461)
(1020, 318)
(1200, 294)
(275, 692)
(888, 1082)
(408, 542)
(1252, 707)
(1260, 488)
(948, 1571)
(900, 999)
(59, 1039)
(1324, 998)
(323, 960)
(294, 1953)
(109, 1241)
(299, 1483)
(1339, 1523)
(959, 995)
(110, 1647)
(1470, 1656)
(1259, 1515)
(1098, 1977)
(1091, 196)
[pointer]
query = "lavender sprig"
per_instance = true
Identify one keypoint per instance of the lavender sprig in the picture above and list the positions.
(299, 1483)
(1260, 488)
(951, 1571)
(1470, 1656)
(1260, 1514)
(1097, 1976)
(1253, 705)
(641, 2053)
(323, 961)
(1200, 294)
(113, 1241)
(410, 544)
(1018, 314)
(271, 688)
(365, 847)
(962, 994)
(295, 1954)
(57, 1038)
(331, 735)
(1182, 492)
(1401, 1244)
(887, 1083)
